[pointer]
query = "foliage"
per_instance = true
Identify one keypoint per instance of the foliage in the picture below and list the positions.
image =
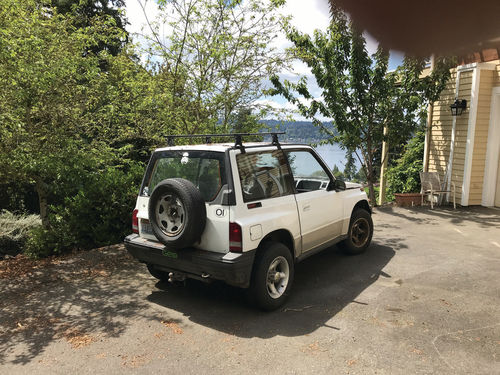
(377, 192)
(132, 107)
(47, 85)
(359, 94)
(404, 177)
(218, 54)
(84, 11)
(96, 215)
(14, 231)
(80, 113)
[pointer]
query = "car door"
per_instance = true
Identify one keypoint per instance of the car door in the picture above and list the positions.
(320, 208)
(265, 196)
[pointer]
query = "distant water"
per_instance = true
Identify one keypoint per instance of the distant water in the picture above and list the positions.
(333, 155)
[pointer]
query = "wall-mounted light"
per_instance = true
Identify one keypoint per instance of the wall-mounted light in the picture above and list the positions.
(458, 107)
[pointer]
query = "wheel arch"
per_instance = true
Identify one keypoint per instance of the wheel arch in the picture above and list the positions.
(280, 235)
(362, 204)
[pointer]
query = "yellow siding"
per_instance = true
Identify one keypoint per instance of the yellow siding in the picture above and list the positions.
(487, 78)
(441, 131)
(462, 123)
(440, 137)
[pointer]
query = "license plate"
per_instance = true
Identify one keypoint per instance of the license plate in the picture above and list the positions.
(169, 254)
(146, 228)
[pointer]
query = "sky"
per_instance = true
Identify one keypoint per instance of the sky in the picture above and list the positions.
(308, 15)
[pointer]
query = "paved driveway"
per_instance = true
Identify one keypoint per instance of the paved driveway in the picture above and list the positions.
(425, 298)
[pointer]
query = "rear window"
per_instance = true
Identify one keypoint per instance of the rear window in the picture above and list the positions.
(204, 169)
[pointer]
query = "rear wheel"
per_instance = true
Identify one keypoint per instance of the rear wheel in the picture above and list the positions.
(156, 273)
(272, 277)
(360, 232)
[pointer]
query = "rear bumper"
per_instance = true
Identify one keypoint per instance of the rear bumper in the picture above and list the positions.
(232, 268)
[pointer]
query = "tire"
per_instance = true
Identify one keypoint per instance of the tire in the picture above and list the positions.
(360, 232)
(177, 213)
(272, 256)
(157, 274)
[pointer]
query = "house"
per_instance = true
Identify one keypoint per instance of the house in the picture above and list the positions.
(465, 149)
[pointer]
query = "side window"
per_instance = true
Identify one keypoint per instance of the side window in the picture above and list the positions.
(307, 172)
(264, 175)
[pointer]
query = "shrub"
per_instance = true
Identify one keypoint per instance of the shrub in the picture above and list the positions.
(15, 230)
(404, 176)
(98, 214)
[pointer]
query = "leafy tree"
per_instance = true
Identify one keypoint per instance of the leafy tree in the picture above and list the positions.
(131, 107)
(359, 94)
(82, 13)
(245, 121)
(350, 170)
(218, 54)
(47, 85)
(404, 176)
(337, 173)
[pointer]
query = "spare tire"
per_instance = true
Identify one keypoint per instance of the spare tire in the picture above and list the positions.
(177, 213)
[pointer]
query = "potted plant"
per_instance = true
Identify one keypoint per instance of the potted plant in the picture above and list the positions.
(404, 177)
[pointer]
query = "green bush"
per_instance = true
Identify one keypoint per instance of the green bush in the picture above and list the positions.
(98, 214)
(14, 231)
(404, 176)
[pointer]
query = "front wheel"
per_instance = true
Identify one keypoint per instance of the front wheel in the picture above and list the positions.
(272, 277)
(360, 232)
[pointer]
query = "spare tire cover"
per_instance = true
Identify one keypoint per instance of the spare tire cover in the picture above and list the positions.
(177, 213)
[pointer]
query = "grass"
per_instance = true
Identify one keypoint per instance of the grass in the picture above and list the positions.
(15, 229)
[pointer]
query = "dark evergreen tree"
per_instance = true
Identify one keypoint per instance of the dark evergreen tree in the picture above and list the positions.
(84, 11)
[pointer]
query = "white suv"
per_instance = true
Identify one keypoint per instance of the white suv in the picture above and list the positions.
(243, 213)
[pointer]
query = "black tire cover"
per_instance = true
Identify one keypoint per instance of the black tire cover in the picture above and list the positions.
(195, 214)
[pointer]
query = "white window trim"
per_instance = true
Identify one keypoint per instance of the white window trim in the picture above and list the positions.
(492, 151)
(471, 129)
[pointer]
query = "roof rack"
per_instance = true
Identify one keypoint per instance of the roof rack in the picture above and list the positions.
(238, 138)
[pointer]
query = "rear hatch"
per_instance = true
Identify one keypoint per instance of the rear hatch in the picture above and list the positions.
(207, 171)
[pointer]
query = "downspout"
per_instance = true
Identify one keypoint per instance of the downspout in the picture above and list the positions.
(428, 128)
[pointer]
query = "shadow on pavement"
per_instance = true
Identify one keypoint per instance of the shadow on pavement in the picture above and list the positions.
(483, 216)
(324, 284)
(69, 298)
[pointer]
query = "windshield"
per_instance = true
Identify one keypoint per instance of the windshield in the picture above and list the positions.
(205, 169)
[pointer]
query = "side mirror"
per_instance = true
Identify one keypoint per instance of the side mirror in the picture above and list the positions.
(337, 185)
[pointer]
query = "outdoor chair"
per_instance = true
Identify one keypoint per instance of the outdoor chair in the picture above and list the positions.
(431, 186)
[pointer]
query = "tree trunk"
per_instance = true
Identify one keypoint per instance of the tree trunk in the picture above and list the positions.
(371, 193)
(371, 180)
(41, 189)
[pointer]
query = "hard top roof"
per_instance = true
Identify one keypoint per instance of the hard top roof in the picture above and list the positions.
(222, 147)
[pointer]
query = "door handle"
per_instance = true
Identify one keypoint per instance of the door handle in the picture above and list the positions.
(306, 208)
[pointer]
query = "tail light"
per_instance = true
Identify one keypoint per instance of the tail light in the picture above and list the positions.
(235, 238)
(135, 221)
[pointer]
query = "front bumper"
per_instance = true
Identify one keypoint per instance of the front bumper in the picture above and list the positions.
(232, 268)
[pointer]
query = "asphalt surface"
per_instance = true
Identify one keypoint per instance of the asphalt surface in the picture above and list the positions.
(424, 298)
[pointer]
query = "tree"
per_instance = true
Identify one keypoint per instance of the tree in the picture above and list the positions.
(218, 53)
(83, 11)
(337, 173)
(350, 172)
(404, 176)
(359, 94)
(47, 86)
